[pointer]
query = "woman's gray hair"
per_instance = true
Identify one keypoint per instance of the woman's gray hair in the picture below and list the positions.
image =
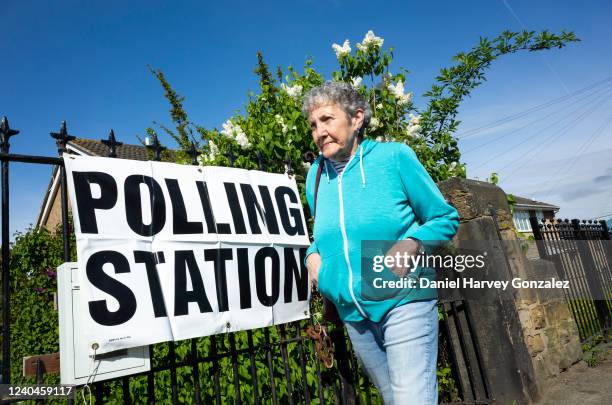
(341, 94)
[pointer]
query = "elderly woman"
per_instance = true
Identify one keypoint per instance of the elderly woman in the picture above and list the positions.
(366, 190)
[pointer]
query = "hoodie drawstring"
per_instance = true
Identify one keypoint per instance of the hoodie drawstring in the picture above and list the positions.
(363, 181)
(326, 170)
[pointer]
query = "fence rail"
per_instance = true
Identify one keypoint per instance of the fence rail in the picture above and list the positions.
(582, 254)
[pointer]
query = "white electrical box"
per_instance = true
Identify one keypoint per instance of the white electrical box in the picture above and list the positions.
(77, 365)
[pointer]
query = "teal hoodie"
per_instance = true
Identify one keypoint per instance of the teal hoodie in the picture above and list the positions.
(384, 193)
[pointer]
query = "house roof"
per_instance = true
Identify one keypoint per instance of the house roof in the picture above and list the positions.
(97, 148)
(523, 202)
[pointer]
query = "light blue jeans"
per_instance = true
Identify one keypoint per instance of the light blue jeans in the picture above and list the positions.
(400, 352)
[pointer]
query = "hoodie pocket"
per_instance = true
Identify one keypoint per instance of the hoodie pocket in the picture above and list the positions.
(376, 281)
(332, 277)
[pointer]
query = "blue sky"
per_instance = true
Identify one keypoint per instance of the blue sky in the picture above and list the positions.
(86, 62)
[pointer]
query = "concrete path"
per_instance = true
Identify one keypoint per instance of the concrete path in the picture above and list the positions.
(583, 385)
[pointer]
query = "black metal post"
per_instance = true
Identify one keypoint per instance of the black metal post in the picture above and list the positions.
(590, 271)
(289, 164)
(5, 134)
(65, 223)
(283, 349)
(607, 251)
(215, 369)
(112, 144)
(157, 148)
(230, 156)
(253, 368)
(341, 354)
(61, 139)
(194, 153)
(260, 162)
(151, 380)
(537, 235)
(39, 378)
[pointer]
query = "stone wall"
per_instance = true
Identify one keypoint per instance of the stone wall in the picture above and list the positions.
(549, 329)
(543, 336)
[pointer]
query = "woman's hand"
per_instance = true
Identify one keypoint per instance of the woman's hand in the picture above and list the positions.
(404, 254)
(313, 262)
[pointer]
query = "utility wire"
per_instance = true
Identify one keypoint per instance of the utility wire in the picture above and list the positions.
(553, 137)
(503, 135)
(554, 72)
(471, 132)
(568, 117)
(583, 148)
(581, 151)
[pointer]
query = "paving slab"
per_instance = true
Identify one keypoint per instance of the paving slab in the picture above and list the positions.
(582, 385)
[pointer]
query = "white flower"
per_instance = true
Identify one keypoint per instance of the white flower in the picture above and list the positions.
(398, 92)
(202, 158)
(343, 50)
(281, 122)
(292, 91)
(356, 81)
(213, 150)
(229, 129)
(374, 123)
(415, 119)
(380, 139)
(453, 165)
(414, 131)
(379, 106)
(233, 131)
(370, 41)
(406, 99)
(242, 141)
(414, 126)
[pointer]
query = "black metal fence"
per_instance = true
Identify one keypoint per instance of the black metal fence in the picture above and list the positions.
(582, 253)
(270, 365)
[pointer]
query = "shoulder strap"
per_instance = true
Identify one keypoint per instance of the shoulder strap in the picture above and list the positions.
(316, 189)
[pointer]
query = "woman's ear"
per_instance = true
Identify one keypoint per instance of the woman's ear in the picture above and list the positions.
(358, 119)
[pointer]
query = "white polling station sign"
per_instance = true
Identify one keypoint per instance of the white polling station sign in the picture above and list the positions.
(169, 252)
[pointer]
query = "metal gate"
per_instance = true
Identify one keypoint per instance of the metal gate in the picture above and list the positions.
(582, 253)
(270, 365)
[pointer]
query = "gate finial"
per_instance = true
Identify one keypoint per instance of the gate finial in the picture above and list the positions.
(112, 144)
(62, 138)
(194, 153)
(156, 147)
(5, 133)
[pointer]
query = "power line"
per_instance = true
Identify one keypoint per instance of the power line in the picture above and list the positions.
(471, 132)
(583, 148)
(556, 136)
(554, 72)
(568, 117)
(502, 136)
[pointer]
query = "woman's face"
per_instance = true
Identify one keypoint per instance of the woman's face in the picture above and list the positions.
(334, 133)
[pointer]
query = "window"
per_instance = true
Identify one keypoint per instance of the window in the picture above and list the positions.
(521, 220)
